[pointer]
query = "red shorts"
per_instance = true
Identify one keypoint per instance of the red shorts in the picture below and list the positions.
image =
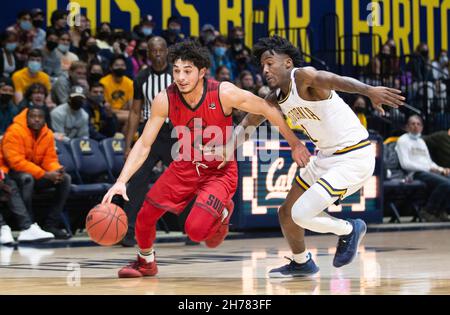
(180, 183)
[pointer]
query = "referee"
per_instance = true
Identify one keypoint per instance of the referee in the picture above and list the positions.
(147, 84)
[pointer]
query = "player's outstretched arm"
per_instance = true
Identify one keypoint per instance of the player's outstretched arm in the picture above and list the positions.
(233, 97)
(324, 81)
(142, 147)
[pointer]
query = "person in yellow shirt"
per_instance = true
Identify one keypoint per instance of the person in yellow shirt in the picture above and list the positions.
(118, 89)
(360, 108)
(25, 77)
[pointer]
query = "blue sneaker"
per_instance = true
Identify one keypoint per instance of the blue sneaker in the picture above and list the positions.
(347, 246)
(294, 269)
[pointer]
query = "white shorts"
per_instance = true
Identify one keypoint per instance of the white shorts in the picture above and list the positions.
(338, 175)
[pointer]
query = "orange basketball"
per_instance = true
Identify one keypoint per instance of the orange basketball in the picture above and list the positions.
(106, 224)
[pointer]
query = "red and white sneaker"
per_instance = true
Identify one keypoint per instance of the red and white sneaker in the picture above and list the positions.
(139, 268)
(217, 238)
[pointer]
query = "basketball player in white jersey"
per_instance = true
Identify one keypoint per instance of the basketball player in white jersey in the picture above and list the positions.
(345, 160)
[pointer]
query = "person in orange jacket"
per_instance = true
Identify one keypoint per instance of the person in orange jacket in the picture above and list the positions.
(11, 200)
(29, 151)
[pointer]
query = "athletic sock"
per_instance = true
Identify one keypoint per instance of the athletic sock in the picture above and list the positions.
(302, 257)
(149, 257)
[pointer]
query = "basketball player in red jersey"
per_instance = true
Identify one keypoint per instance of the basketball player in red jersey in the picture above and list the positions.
(193, 103)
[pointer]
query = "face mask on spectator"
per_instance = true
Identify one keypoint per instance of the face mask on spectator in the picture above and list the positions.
(360, 110)
(26, 25)
(147, 31)
(5, 98)
(443, 60)
(11, 46)
(414, 136)
(220, 51)
(208, 37)
(123, 46)
(38, 23)
(76, 103)
(63, 48)
(51, 45)
(95, 77)
(104, 35)
(93, 49)
(34, 66)
(175, 31)
(98, 99)
(118, 72)
(424, 53)
(142, 52)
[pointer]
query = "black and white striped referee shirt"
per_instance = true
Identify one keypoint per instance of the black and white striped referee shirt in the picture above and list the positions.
(147, 84)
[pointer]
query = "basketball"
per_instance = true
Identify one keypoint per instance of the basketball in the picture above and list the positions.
(106, 224)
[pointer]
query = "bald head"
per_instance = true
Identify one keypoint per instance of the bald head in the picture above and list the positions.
(157, 52)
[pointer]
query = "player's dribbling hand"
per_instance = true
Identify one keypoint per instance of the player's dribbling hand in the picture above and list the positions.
(300, 154)
(119, 188)
(380, 95)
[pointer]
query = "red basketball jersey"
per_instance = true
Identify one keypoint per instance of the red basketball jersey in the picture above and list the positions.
(206, 123)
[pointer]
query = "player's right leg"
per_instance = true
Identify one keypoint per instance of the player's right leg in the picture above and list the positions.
(173, 190)
(301, 263)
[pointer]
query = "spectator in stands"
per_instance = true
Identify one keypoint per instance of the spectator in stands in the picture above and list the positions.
(236, 39)
(219, 56)
(95, 72)
(90, 53)
(102, 120)
(424, 82)
(246, 81)
(415, 158)
(8, 110)
(51, 62)
(359, 106)
(78, 33)
(37, 19)
(440, 66)
(23, 28)
(29, 151)
(58, 21)
(207, 35)
(118, 89)
(104, 37)
(223, 74)
(385, 66)
(8, 60)
(12, 201)
(33, 73)
(35, 96)
(70, 119)
(439, 145)
(76, 76)
(62, 51)
(243, 62)
(140, 58)
(121, 42)
(144, 30)
(173, 33)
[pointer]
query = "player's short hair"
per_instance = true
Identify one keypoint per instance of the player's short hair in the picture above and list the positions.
(279, 45)
(192, 51)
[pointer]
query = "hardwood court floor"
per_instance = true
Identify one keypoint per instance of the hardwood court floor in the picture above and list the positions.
(388, 263)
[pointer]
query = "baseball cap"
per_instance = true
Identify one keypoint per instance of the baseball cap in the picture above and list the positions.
(36, 11)
(208, 27)
(78, 90)
(147, 19)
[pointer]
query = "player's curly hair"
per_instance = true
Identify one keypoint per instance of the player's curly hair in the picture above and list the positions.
(190, 50)
(279, 45)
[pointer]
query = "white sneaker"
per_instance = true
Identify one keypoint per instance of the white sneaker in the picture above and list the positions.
(6, 235)
(35, 234)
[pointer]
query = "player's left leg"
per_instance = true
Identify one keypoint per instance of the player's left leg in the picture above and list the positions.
(210, 215)
(340, 176)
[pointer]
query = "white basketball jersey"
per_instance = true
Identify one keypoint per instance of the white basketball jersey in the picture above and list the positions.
(330, 123)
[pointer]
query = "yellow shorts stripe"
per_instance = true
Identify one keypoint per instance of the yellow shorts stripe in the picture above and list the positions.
(332, 191)
(357, 146)
(302, 183)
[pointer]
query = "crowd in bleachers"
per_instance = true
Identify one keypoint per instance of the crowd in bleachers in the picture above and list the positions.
(66, 84)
